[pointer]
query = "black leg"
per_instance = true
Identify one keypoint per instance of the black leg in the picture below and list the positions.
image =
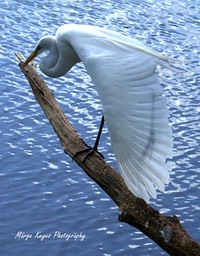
(96, 144)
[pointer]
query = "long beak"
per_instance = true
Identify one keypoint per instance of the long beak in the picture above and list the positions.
(30, 58)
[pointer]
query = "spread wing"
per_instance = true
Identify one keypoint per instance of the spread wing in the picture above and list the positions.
(136, 116)
(134, 108)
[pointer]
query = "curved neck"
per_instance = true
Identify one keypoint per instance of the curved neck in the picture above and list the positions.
(59, 60)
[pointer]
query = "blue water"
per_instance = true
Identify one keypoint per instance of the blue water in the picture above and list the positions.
(48, 206)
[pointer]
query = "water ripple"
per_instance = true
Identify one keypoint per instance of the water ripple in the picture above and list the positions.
(41, 189)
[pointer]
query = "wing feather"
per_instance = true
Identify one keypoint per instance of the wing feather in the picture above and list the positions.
(136, 113)
(140, 123)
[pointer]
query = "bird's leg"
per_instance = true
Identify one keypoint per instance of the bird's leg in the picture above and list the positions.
(96, 144)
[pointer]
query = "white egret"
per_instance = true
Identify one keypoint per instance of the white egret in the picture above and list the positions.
(135, 111)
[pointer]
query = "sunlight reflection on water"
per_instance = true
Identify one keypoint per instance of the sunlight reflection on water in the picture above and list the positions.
(40, 187)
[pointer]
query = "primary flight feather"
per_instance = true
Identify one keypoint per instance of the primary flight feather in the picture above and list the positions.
(135, 111)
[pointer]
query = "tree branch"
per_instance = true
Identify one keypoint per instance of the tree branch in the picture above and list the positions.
(165, 231)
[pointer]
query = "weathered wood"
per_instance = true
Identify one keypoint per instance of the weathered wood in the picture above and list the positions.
(165, 231)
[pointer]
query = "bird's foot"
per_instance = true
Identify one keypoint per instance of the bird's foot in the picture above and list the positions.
(90, 152)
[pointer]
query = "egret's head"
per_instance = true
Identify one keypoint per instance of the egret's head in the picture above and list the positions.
(42, 45)
(32, 56)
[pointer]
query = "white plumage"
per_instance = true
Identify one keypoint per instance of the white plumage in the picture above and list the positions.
(135, 111)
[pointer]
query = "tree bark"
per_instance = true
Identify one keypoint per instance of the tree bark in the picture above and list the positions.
(166, 231)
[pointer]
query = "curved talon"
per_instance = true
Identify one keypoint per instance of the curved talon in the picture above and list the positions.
(81, 151)
(90, 149)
